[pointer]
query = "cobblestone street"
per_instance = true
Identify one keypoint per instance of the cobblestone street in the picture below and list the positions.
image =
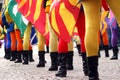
(108, 69)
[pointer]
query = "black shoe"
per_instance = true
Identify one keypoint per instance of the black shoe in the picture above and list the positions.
(106, 51)
(18, 61)
(61, 74)
(30, 56)
(62, 62)
(13, 56)
(41, 55)
(54, 61)
(114, 58)
(93, 68)
(85, 64)
(69, 63)
(25, 57)
(53, 68)
(19, 58)
(115, 53)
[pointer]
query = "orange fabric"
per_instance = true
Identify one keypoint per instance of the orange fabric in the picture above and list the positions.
(99, 38)
(19, 40)
(30, 47)
(47, 9)
(0, 18)
(105, 38)
(13, 41)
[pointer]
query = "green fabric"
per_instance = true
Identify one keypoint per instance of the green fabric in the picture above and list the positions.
(18, 18)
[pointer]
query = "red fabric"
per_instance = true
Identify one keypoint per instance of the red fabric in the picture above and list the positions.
(47, 39)
(64, 33)
(105, 6)
(47, 42)
(62, 46)
(13, 41)
(30, 47)
(19, 40)
(81, 29)
(40, 21)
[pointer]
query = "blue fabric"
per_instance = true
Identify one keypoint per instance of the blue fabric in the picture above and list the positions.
(33, 38)
(8, 45)
(11, 27)
(4, 21)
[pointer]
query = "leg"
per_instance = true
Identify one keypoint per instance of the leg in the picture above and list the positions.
(81, 31)
(69, 64)
(41, 50)
(19, 46)
(26, 43)
(62, 56)
(53, 48)
(13, 46)
(105, 42)
(8, 45)
(92, 13)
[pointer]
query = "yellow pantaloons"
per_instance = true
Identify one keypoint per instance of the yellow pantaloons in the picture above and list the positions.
(53, 41)
(70, 46)
(41, 49)
(92, 13)
(41, 41)
(27, 37)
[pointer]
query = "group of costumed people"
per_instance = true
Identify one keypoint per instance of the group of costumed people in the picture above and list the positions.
(62, 16)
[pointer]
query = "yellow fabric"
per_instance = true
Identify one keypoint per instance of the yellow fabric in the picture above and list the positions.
(41, 41)
(15, 26)
(1, 35)
(48, 3)
(114, 5)
(53, 41)
(46, 25)
(5, 30)
(8, 18)
(75, 30)
(92, 13)
(27, 37)
(54, 23)
(103, 16)
(78, 40)
(6, 2)
(70, 46)
(65, 15)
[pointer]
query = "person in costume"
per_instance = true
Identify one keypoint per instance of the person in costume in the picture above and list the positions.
(2, 36)
(27, 48)
(53, 46)
(63, 51)
(6, 32)
(103, 39)
(53, 40)
(10, 29)
(41, 49)
(92, 11)
(19, 45)
(81, 32)
(114, 36)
